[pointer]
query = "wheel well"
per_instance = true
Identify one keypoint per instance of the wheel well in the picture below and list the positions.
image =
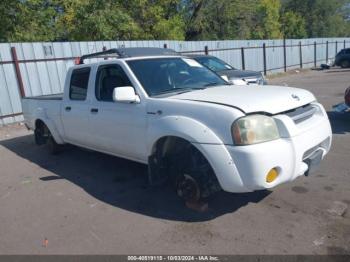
(39, 123)
(170, 153)
(169, 145)
(41, 132)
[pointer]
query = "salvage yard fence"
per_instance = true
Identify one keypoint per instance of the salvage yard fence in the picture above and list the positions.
(31, 69)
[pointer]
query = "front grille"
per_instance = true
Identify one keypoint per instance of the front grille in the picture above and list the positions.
(301, 114)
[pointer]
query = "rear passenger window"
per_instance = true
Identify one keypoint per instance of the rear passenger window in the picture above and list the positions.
(109, 77)
(79, 84)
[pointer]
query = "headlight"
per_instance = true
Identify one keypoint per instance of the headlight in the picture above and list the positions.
(238, 82)
(254, 129)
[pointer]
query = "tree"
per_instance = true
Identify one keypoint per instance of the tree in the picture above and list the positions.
(34, 21)
(159, 19)
(95, 20)
(218, 19)
(323, 18)
(8, 18)
(82, 20)
(120, 20)
(267, 22)
(293, 25)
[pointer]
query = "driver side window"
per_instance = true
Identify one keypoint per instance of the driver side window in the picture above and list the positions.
(109, 77)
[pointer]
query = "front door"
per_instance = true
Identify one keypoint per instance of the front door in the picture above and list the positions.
(118, 128)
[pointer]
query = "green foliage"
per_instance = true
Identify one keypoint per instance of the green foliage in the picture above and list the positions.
(293, 25)
(268, 25)
(159, 19)
(35, 21)
(8, 18)
(95, 20)
(82, 20)
(323, 18)
(218, 19)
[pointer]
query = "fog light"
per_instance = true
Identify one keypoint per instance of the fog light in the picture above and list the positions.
(271, 175)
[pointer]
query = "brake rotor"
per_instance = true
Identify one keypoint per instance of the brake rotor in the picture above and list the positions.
(188, 188)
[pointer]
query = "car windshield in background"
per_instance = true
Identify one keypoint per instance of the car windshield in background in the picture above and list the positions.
(164, 76)
(214, 63)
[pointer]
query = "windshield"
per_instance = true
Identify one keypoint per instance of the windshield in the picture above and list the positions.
(168, 75)
(214, 63)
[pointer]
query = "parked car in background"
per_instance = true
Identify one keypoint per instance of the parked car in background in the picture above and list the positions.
(342, 59)
(344, 107)
(228, 72)
(190, 126)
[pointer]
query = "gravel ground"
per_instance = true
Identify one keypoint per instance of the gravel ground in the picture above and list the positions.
(83, 202)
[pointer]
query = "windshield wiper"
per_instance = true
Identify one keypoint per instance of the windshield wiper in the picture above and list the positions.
(215, 84)
(179, 90)
(191, 89)
(171, 90)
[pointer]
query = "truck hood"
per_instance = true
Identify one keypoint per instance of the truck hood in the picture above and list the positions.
(239, 74)
(250, 99)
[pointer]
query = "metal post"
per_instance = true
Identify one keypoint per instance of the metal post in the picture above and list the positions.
(326, 51)
(243, 58)
(206, 50)
(300, 55)
(18, 72)
(336, 47)
(284, 55)
(165, 46)
(315, 54)
(104, 49)
(264, 58)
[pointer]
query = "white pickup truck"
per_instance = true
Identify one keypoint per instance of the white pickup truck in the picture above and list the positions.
(191, 127)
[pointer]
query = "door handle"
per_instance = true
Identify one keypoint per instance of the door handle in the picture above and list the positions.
(68, 108)
(94, 110)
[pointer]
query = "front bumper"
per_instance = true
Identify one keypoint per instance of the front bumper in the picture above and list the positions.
(249, 81)
(244, 168)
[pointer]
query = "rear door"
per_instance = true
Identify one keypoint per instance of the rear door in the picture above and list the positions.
(75, 107)
(118, 128)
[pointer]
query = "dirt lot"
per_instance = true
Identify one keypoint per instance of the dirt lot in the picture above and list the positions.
(84, 202)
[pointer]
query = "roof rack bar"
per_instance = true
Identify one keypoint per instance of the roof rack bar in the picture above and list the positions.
(107, 52)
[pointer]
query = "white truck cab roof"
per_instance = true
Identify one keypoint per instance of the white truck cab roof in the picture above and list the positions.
(131, 53)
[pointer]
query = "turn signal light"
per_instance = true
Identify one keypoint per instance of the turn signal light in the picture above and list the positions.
(271, 175)
(77, 61)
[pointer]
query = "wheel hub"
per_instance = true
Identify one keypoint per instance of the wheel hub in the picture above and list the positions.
(187, 188)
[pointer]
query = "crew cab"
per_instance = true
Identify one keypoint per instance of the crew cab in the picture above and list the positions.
(185, 122)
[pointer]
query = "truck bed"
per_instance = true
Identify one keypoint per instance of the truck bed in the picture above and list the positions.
(46, 97)
(45, 106)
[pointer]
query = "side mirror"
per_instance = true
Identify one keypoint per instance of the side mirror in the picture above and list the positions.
(125, 94)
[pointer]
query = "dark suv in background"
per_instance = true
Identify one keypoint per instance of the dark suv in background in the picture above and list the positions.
(227, 71)
(342, 59)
